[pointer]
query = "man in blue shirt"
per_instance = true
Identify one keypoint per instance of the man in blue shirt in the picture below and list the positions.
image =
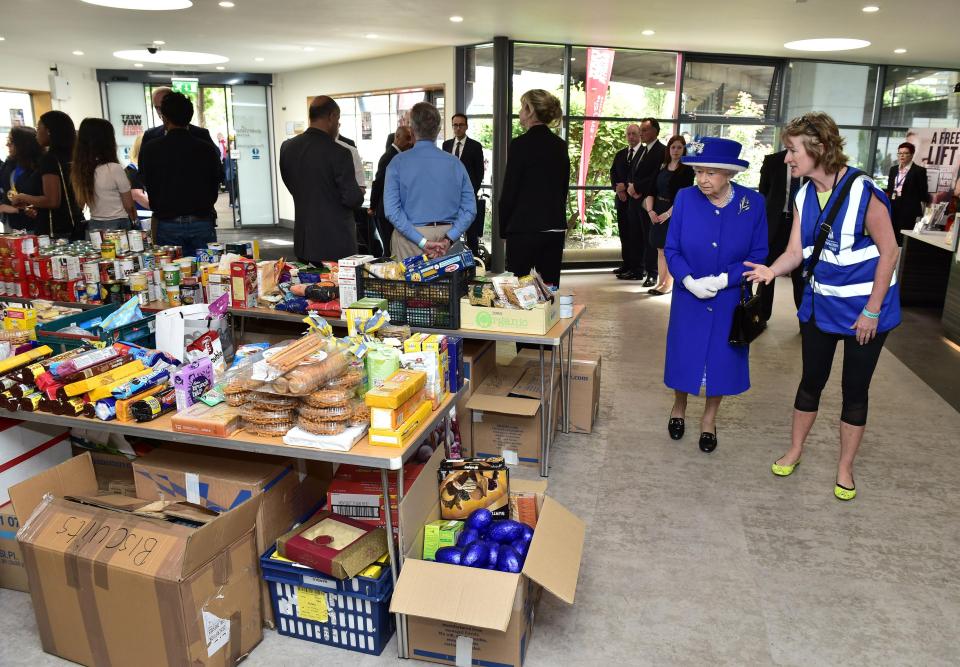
(428, 195)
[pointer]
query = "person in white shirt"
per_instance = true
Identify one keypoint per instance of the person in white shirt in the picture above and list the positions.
(99, 182)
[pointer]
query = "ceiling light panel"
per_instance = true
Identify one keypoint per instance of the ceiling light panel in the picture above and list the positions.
(143, 5)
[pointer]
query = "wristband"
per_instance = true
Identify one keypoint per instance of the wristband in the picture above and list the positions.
(423, 243)
(872, 316)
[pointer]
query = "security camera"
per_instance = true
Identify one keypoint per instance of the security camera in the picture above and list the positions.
(152, 49)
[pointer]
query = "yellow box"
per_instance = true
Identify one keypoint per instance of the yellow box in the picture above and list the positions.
(414, 343)
(535, 322)
(437, 344)
(396, 389)
(21, 318)
(402, 436)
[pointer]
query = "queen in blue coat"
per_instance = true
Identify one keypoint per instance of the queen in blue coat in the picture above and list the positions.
(716, 226)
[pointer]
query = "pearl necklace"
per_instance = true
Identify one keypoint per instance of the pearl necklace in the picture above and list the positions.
(726, 199)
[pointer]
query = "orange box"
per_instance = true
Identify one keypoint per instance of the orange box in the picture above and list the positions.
(243, 283)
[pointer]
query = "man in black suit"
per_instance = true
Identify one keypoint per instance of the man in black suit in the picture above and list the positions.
(156, 132)
(319, 174)
(907, 189)
(470, 153)
(402, 140)
(619, 177)
(779, 190)
(643, 178)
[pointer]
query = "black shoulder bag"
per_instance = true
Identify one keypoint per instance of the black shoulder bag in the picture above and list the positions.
(748, 322)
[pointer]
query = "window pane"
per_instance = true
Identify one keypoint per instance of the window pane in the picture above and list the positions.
(611, 137)
(478, 87)
(642, 84)
(846, 92)
(757, 141)
(915, 97)
(727, 89)
(600, 226)
(857, 146)
(536, 66)
(481, 129)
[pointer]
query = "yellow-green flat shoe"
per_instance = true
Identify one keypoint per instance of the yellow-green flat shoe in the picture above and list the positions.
(784, 471)
(843, 493)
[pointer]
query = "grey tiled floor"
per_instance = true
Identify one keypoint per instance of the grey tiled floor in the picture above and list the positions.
(702, 560)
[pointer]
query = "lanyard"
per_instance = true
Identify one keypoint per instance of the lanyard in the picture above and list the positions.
(898, 182)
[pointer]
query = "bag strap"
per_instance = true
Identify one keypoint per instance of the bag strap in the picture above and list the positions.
(66, 198)
(827, 225)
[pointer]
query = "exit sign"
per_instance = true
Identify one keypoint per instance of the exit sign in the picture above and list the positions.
(185, 86)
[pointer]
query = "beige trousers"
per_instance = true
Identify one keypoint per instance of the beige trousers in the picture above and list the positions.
(402, 247)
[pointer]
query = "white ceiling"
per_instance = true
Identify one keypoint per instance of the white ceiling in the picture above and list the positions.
(278, 30)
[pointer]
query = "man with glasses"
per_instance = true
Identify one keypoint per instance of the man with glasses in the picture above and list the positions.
(907, 189)
(470, 153)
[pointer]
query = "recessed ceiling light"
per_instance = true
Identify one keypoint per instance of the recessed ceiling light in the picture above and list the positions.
(456, 19)
(2, 39)
(308, 48)
(221, 67)
(648, 33)
(143, 5)
(899, 50)
(227, 5)
(371, 35)
(78, 53)
(171, 57)
(138, 64)
(871, 9)
(259, 60)
(159, 42)
(826, 44)
(911, 78)
(659, 83)
(572, 59)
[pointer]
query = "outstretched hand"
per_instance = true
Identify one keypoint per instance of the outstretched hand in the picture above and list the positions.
(759, 273)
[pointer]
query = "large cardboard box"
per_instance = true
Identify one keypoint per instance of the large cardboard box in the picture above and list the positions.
(536, 321)
(584, 386)
(505, 415)
(12, 572)
(464, 616)
(110, 587)
(221, 480)
(479, 361)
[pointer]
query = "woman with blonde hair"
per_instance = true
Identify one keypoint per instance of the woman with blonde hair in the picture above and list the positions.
(137, 189)
(843, 235)
(99, 181)
(533, 203)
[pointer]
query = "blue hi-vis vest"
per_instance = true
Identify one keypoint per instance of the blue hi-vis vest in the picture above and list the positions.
(843, 278)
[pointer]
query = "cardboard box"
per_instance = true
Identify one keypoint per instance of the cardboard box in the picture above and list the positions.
(334, 544)
(505, 415)
(111, 587)
(243, 284)
(479, 361)
(13, 574)
(27, 448)
(463, 616)
(536, 321)
(347, 277)
(464, 425)
(357, 492)
(584, 386)
(110, 469)
(222, 480)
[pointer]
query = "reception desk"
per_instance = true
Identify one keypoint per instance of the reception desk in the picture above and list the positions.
(926, 261)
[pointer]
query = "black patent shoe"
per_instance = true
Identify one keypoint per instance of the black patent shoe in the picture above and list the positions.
(649, 282)
(675, 427)
(708, 442)
(620, 269)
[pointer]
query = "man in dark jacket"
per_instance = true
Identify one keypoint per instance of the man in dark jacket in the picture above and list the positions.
(907, 189)
(403, 140)
(156, 132)
(470, 153)
(779, 189)
(619, 177)
(642, 184)
(319, 174)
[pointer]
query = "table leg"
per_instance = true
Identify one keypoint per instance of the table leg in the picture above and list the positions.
(569, 375)
(563, 387)
(243, 327)
(402, 619)
(392, 551)
(543, 418)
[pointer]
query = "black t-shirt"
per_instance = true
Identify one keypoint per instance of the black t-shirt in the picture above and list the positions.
(182, 175)
(67, 219)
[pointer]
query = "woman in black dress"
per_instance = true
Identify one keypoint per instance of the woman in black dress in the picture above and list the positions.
(533, 203)
(19, 175)
(672, 176)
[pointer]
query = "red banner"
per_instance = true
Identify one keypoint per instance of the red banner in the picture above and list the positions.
(599, 66)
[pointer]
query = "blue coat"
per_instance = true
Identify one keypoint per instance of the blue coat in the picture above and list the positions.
(702, 241)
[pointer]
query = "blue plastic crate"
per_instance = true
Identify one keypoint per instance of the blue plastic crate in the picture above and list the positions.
(358, 609)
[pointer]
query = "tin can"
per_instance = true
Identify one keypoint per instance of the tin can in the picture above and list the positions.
(147, 261)
(92, 290)
(124, 266)
(187, 266)
(112, 292)
(190, 292)
(138, 281)
(108, 250)
(143, 297)
(135, 240)
(108, 271)
(96, 238)
(120, 241)
(171, 275)
(173, 295)
(91, 272)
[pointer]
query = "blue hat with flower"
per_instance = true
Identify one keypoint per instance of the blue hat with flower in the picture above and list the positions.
(715, 152)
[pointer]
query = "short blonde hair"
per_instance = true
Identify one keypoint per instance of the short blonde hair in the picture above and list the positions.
(821, 139)
(545, 106)
(135, 149)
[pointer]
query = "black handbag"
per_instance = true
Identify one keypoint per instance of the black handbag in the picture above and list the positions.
(748, 322)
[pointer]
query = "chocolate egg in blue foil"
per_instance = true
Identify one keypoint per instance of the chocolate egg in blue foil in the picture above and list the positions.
(527, 535)
(493, 550)
(468, 537)
(475, 555)
(508, 560)
(449, 555)
(520, 547)
(480, 520)
(505, 532)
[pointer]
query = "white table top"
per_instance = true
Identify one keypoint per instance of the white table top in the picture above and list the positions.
(943, 240)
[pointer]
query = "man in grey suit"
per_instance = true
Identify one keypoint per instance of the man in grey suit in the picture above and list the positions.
(319, 174)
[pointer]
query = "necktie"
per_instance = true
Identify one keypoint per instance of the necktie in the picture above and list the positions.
(630, 156)
(459, 148)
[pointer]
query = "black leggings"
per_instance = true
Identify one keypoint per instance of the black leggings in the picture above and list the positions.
(859, 362)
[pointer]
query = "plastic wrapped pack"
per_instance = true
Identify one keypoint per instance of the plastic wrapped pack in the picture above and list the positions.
(321, 427)
(329, 398)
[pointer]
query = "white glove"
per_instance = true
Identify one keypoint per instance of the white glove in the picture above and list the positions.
(716, 282)
(701, 288)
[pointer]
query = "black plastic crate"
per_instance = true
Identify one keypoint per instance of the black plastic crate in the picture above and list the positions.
(430, 305)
